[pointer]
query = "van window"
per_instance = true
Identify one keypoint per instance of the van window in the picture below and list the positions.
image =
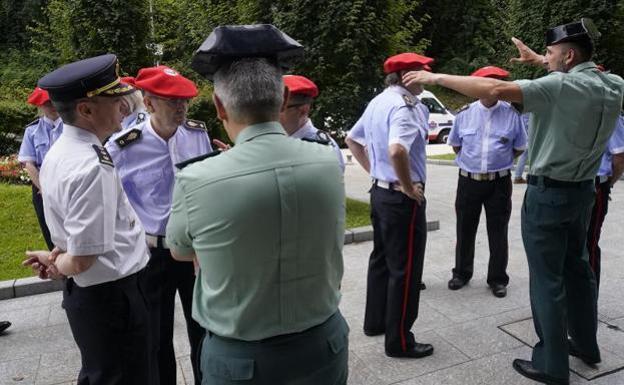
(433, 106)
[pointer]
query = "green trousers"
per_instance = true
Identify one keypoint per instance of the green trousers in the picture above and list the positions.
(317, 356)
(562, 286)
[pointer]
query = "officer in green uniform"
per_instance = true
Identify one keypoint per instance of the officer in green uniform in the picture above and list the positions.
(574, 109)
(267, 290)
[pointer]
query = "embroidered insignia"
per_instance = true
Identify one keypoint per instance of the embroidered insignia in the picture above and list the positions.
(140, 118)
(181, 165)
(195, 124)
(129, 137)
(409, 101)
(103, 155)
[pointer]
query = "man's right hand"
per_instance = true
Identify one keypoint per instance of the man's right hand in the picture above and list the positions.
(527, 55)
(414, 191)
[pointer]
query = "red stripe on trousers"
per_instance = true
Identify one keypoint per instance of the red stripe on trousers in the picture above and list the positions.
(408, 275)
(598, 218)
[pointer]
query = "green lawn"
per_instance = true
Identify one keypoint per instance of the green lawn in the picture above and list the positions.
(20, 230)
(443, 157)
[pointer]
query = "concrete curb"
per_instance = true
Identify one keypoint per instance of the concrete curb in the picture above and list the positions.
(15, 288)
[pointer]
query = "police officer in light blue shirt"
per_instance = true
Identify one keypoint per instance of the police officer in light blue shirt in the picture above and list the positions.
(295, 117)
(389, 142)
(145, 158)
(487, 135)
(611, 168)
(39, 136)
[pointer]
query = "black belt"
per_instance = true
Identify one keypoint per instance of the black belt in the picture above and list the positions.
(554, 183)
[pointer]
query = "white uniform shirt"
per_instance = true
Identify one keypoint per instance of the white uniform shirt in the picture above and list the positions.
(87, 211)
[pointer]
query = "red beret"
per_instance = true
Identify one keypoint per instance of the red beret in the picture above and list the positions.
(128, 80)
(38, 97)
(406, 62)
(165, 82)
(301, 85)
(491, 72)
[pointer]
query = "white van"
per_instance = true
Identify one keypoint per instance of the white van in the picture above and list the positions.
(440, 118)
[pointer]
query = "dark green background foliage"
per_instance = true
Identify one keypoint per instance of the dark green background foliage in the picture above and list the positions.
(346, 41)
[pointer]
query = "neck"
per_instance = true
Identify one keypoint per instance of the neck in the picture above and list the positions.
(488, 103)
(83, 125)
(164, 129)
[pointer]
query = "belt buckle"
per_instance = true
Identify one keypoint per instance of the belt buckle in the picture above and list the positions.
(480, 177)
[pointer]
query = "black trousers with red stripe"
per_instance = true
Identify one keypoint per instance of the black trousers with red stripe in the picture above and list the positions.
(395, 267)
(599, 212)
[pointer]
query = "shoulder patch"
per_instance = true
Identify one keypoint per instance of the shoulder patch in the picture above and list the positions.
(141, 116)
(128, 138)
(409, 101)
(33, 122)
(181, 165)
(463, 108)
(103, 155)
(322, 137)
(195, 124)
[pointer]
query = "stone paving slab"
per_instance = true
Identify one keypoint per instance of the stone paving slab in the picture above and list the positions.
(611, 344)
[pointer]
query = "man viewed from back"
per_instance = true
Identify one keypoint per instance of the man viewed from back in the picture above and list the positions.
(267, 290)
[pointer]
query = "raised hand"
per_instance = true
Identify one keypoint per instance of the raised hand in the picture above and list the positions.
(527, 55)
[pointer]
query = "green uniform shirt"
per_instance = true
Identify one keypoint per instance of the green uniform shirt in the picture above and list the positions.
(266, 220)
(573, 116)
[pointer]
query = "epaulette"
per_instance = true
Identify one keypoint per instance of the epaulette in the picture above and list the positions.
(128, 138)
(410, 101)
(195, 124)
(103, 155)
(463, 108)
(321, 137)
(141, 116)
(33, 122)
(518, 107)
(181, 165)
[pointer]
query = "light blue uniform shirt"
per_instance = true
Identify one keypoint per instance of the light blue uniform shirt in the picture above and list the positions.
(147, 169)
(614, 146)
(308, 131)
(487, 137)
(38, 138)
(393, 116)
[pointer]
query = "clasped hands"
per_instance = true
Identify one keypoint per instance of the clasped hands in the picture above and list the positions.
(42, 263)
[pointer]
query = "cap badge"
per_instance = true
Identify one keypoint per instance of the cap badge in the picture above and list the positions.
(170, 72)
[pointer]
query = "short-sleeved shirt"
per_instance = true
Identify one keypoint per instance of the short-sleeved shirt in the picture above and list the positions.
(87, 211)
(38, 138)
(266, 221)
(487, 137)
(395, 116)
(573, 116)
(146, 166)
(614, 146)
(308, 131)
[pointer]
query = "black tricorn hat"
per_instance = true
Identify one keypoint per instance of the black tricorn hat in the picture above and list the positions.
(230, 42)
(583, 30)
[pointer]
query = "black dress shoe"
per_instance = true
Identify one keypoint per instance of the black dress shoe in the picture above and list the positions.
(423, 286)
(498, 290)
(373, 333)
(527, 370)
(4, 325)
(456, 283)
(418, 351)
(575, 352)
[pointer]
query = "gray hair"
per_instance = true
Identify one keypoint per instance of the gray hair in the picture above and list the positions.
(392, 79)
(134, 101)
(66, 109)
(251, 89)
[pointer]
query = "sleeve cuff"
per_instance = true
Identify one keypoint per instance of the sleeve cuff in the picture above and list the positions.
(358, 140)
(407, 145)
(24, 159)
(181, 250)
(83, 250)
(617, 151)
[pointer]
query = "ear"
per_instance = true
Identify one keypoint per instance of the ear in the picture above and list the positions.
(149, 106)
(83, 110)
(286, 97)
(221, 112)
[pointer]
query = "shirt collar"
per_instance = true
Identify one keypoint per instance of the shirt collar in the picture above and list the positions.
(583, 66)
(307, 128)
(48, 120)
(255, 130)
(81, 134)
(488, 109)
(401, 91)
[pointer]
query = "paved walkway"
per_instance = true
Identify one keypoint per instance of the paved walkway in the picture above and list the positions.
(465, 327)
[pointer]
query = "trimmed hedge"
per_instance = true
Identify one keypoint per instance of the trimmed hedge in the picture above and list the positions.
(15, 114)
